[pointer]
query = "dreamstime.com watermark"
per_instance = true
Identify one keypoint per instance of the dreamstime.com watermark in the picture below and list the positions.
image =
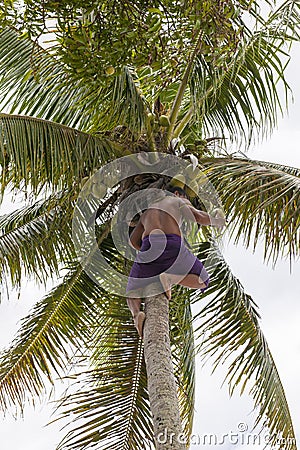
(239, 437)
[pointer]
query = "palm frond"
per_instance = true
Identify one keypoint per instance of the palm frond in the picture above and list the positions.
(35, 239)
(284, 20)
(122, 103)
(262, 201)
(282, 168)
(112, 411)
(231, 331)
(242, 95)
(45, 343)
(39, 82)
(34, 152)
(57, 324)
(33, 82)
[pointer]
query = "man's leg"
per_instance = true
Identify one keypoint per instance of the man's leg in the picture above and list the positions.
(134, 304)
(166, 284)
(191, 280)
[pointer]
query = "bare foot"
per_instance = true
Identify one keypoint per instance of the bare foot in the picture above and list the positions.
(139, 320)
(166, 285)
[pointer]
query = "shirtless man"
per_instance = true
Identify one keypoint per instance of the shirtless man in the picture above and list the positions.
(160, 226)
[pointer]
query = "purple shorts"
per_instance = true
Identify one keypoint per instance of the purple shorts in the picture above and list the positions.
(163, 253)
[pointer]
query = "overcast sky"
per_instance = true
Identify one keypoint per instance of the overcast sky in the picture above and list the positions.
(275, 291)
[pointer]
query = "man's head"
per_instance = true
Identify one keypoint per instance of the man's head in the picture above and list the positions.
(178, 191)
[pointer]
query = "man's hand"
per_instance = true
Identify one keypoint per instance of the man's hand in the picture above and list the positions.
(218, 218)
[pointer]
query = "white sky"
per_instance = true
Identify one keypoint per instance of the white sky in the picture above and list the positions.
(275, 291)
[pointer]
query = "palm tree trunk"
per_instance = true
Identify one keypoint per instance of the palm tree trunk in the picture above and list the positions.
(161, 381)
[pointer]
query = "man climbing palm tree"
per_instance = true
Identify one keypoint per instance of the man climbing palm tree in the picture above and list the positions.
(163, 255)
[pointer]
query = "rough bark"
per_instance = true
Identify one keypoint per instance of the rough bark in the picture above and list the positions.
(161, 381)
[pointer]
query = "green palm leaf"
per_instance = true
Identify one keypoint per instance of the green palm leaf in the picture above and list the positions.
(35, 239)
(121, 103)
(38, 152)
(240, 94)
(115, 394)
(90, 107)
(231, 323)
(284, 20)
(262, 201)
(281, 168)
(243, 97)
(34, 83)
(49, 334)
(47, 338)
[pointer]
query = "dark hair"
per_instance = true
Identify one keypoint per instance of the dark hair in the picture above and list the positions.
(178, 189)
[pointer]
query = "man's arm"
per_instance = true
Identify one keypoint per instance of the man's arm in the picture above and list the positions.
(135, 238)
(201, 217)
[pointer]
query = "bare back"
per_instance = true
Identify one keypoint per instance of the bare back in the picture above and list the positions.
(164, 215)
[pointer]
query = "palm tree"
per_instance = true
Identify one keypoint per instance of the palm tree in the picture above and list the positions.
(184, 76)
